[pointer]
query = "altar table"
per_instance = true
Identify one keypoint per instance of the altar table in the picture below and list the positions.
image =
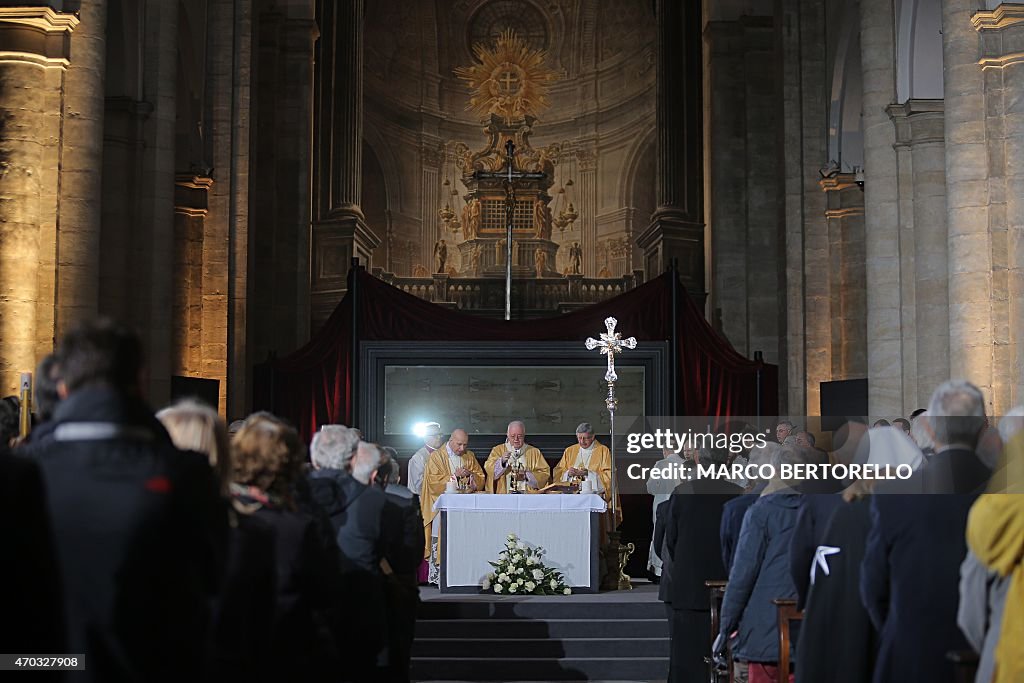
(474, 528)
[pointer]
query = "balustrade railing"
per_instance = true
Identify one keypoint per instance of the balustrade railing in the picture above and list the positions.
(486, 295)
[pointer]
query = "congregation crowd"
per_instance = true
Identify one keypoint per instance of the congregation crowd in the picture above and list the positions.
(917, 579)
(173, 547)
(164, 548)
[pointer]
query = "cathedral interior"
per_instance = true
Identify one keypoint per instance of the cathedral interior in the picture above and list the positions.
(834, 180)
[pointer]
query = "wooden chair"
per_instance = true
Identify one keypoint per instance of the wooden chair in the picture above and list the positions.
(787, 612)
(717, 591)
(965, 665)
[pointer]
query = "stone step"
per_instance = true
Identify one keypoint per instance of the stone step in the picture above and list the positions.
(541, 669)
(572, 648)
(542, 628)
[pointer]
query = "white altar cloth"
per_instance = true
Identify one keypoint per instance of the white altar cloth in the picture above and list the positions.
(474, 528)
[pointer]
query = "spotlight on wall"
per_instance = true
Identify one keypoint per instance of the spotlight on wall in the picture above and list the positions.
(829, 170)
(858, 177)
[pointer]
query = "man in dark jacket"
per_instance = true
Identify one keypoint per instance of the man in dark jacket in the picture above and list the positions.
(30, 589)
(341, 486)
(910, 574)
(693, 547)
(139, 525)
(402, 528)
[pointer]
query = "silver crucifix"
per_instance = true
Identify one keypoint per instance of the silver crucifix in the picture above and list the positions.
(611, 343)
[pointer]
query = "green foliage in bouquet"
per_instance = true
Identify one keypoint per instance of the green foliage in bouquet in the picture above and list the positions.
(520, 571)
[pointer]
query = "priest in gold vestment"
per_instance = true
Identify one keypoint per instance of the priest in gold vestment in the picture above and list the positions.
(515, 451)
(447, 464)
(587, 460)
(590, 461)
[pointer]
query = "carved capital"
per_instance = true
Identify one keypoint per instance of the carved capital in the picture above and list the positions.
(37, 35)
(1002, 35)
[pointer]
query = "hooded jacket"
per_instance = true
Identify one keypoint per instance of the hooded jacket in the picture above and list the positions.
(759, 574)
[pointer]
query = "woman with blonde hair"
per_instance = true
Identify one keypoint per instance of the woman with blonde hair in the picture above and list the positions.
(242, 621)
(194, 426)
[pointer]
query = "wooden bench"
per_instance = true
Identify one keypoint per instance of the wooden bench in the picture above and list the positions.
(787, 612)
(715, 675)
(965, 665)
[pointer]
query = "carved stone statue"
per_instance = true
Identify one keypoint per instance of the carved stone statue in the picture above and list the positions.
(541, 219)
(440, 256)
(466, 226)
(473, 226)
(540, 261)
(575, 259)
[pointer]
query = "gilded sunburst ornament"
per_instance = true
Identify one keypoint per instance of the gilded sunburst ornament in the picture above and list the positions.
(509, 80)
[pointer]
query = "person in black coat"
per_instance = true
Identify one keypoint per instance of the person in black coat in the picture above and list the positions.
(693, 546)
(30, 589)
(402, 530)
(306, 643)
(342, 487)
(140, 526)
(835, 569)
(909, 580)
(735, 510)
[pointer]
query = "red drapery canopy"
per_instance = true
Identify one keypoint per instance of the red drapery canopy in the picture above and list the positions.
(313, 386)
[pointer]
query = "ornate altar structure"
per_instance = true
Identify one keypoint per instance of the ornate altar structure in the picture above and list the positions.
(483, 217)
(509, 82)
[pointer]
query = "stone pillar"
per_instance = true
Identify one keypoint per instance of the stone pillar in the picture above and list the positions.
(920, 146)
(847, 295)
(677, 226)
(78, 247)
(292, 167)
(153, 239)
(1002, 63)
(967, 201)
(881, 217)
(340, 231)
(587, 207)
(35, 40)
(433, 164)
(800, 32)
(191, 198)
(226, 234)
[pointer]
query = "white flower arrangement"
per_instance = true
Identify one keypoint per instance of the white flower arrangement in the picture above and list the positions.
(519, 569)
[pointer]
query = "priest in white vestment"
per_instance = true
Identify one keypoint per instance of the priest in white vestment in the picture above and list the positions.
(431, 442)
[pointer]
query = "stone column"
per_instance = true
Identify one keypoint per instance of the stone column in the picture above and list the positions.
(881, 216)
(77, 296)
(296, 112)
(677, 226)
(226, 236)
(587, 206)
(340, 231)
(36, 40)
(920, 144)
(967, 200)
(800, 32)
(847, 295)
(1002, 63)
(433, 165)
(191, 198)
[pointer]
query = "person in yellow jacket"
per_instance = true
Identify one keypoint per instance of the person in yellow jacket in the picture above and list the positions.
(995, 534)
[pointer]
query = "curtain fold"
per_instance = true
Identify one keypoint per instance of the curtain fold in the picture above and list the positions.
(313, 386)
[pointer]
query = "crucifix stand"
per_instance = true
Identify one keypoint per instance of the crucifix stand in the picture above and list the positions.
(509, 175)
(616, 555)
